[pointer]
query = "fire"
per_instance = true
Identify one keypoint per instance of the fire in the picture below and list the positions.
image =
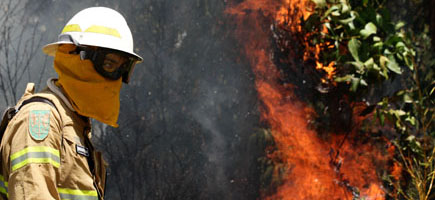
(288, 17)
(291, 11)
(329, 69)
(317, 168)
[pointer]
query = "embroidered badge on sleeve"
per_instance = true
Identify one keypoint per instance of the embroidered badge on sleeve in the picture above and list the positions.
(39, 124)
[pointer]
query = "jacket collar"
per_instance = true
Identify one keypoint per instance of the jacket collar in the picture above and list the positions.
(58, 91)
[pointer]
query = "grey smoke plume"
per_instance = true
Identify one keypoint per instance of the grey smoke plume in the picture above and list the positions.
(216, 148)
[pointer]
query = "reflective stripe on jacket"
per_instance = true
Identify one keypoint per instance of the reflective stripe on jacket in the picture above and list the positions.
(45, 154)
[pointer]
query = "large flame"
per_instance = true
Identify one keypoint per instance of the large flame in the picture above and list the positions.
(317, 168)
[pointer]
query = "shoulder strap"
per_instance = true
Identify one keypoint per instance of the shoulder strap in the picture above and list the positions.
(38, 99)
(10, 112)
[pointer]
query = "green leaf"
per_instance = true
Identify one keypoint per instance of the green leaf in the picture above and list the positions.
(359, 66)
(407, 98)
(320, 3)
(330, 10)
(368, 30)
(353, 47)
(347, 21)
(336, 13)
(393, 66)
(399, 56)
(399, 113)
(376, 67)
(354, 84)
(365, 2)
(351, 25)
(328, 25)
(379, 19)
(381, 117)
(400, 92)
(369, 63)
(399, 25)
(387, 52)
(393, 40)
(401, 46)
(363, 82)
(378, 45)
(383, 60)
(410, 138)
(344, 6)
(408, 59)
(411, 120)
(384, 73)
(346, 78)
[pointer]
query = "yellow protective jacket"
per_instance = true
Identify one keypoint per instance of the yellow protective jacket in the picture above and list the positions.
(46, 153)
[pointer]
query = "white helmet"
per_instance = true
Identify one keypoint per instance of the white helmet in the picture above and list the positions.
(96, 26)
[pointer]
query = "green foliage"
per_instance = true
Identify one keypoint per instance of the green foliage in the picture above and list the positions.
(378, 48)
(411, 112)
(368, 50)
(272, 170)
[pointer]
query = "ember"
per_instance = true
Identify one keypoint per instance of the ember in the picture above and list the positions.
(335, 167)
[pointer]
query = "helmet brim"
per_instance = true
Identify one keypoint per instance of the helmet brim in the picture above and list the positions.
(50, 49)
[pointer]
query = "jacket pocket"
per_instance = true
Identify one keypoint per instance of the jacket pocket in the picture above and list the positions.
(74, 163)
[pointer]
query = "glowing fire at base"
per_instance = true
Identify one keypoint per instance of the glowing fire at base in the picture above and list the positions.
(316, 168)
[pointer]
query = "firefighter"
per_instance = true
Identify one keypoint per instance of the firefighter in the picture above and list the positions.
(46, 150)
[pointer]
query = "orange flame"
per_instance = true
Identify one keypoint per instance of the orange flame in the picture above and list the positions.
(316, 168)
(288, 17)
(330, 68)
(283, 15)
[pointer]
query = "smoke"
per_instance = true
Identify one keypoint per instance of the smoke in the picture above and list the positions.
(214, 150)
(206, 114)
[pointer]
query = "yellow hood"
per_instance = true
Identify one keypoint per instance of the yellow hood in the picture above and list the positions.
(91, 95)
